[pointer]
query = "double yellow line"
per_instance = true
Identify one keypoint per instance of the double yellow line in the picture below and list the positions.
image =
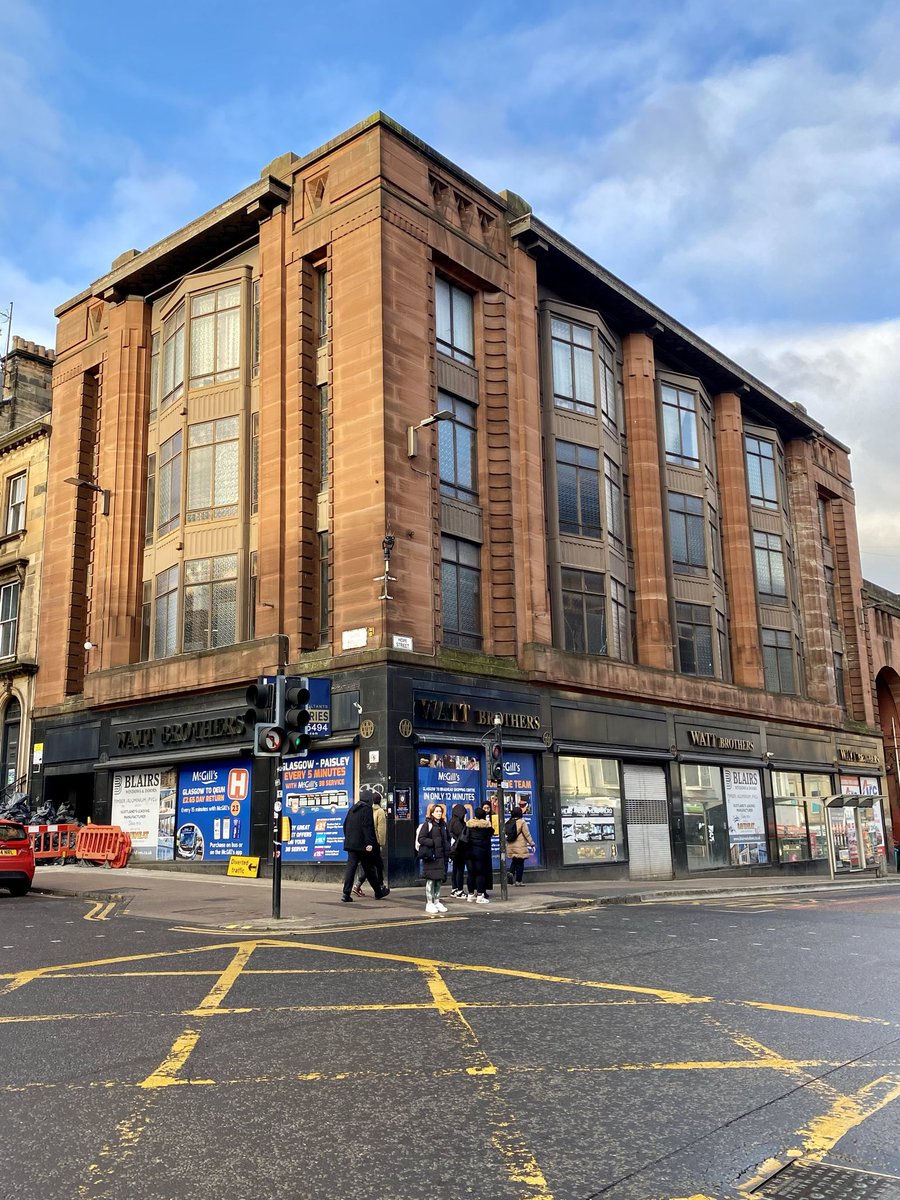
(102, 910)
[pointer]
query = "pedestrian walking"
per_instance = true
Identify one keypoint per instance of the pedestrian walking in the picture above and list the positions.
(360, 843)
(519, 847)
(479, 864)
(433, 851)
(459, 850)
(379, 819)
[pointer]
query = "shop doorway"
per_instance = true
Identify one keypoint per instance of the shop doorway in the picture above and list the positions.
(856, 832)
(646, 810)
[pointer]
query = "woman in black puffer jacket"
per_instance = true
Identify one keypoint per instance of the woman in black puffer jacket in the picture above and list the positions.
(481, 873)
(433, 850)
(459, 850)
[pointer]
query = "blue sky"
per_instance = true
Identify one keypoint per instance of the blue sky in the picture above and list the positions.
(737, 164)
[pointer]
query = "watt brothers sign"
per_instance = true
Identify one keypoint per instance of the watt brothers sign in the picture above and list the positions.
(442, 710)
(172, 735)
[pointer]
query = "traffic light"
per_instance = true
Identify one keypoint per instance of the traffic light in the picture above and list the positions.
(262, 718)
(497, 755)
(296, 715)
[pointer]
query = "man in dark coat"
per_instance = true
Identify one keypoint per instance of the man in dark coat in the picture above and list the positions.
(361, 845)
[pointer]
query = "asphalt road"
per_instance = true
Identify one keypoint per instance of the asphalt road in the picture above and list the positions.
(647, 1052)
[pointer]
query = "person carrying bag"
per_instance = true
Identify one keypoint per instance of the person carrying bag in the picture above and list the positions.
(459, 850)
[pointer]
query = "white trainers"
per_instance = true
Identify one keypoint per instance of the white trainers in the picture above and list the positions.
(471, 896)
(431, 908)
(440, 907)
(482, 900)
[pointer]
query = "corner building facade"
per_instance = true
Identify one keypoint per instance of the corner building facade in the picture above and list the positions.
(372, 423)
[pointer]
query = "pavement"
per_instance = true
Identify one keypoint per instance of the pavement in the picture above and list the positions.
(220, 902)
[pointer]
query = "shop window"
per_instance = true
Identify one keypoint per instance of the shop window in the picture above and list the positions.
(213, 455)
(680, 426)
(778, 661)
(210, 602)
(724, 824)
(216, 336)
(800, 822)
(687, 534)
(590, 793)
(454, 321)
(173, 356)
(768, 554)
(578, 489)
(456, 449)
(15, 502)
(695, 648)
(9, 619)
(761, 477)
(168, 499)
(461, 593)
(584, 611)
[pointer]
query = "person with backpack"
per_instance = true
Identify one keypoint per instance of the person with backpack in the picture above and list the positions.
(459, 850)
(479, 864)
(379, 819)
(360, 843)
(519, 844)
(433, 851)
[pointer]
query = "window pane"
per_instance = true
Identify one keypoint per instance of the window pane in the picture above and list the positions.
(229, 340)
(226, 492)
(443, 328)
(584, 376)
(562, 371)
(463, 331)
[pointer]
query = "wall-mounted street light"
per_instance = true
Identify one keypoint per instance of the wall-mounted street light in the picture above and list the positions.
(412, 431)
(94, 487)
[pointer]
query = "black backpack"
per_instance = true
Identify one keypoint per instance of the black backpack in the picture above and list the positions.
(511, 828)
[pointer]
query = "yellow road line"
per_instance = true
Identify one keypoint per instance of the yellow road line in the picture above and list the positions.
(398, 923)
(519, 1162)
(226, 981)
(166, 1074)
(100, 910)
(797, 1011)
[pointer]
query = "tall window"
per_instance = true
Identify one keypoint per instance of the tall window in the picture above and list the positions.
(578, 489)
(9, 619)
(252, 594)
(210, 602)
(839, 680)
(831, 594)
(254, 463)
(778, 661)
(456, 449)
(323, 435)
(15, 502)
(680, 426)
(584, 611)
(461, 593)
(169, 486)
(320, 282)
(455, 322)
(724, 648)
(150, 516)
(823, 520)
(573, 367)
(146, 619)
(154, 375)
(761, 478)
(695, 649)
(12, 727)
(165, 625)
(687, 534)
(768, 553)
(216, 336)
(618, 625)
(613, 479)
(324, 590)
(254, 331)
(173, 356)
(213, 469)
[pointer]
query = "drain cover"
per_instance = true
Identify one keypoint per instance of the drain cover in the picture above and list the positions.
(818, 1181)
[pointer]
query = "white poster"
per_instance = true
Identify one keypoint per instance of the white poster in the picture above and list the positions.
(141, 804)
(746, 824)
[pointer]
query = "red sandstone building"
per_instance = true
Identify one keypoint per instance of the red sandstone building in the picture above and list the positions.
(372, 423)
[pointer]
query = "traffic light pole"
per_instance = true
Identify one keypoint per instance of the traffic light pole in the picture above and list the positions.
(277, 806)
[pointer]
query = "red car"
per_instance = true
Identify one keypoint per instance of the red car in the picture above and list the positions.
(16, 858)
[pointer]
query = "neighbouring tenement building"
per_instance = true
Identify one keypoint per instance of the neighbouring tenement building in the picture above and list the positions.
(24, 453)
(372, 423)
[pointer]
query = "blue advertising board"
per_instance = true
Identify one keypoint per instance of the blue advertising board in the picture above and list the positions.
(213, 814)
(319, 708)
(451, 776)
(317, 792)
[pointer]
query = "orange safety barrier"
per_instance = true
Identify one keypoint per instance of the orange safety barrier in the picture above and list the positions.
(103, 844)
(53, 843)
